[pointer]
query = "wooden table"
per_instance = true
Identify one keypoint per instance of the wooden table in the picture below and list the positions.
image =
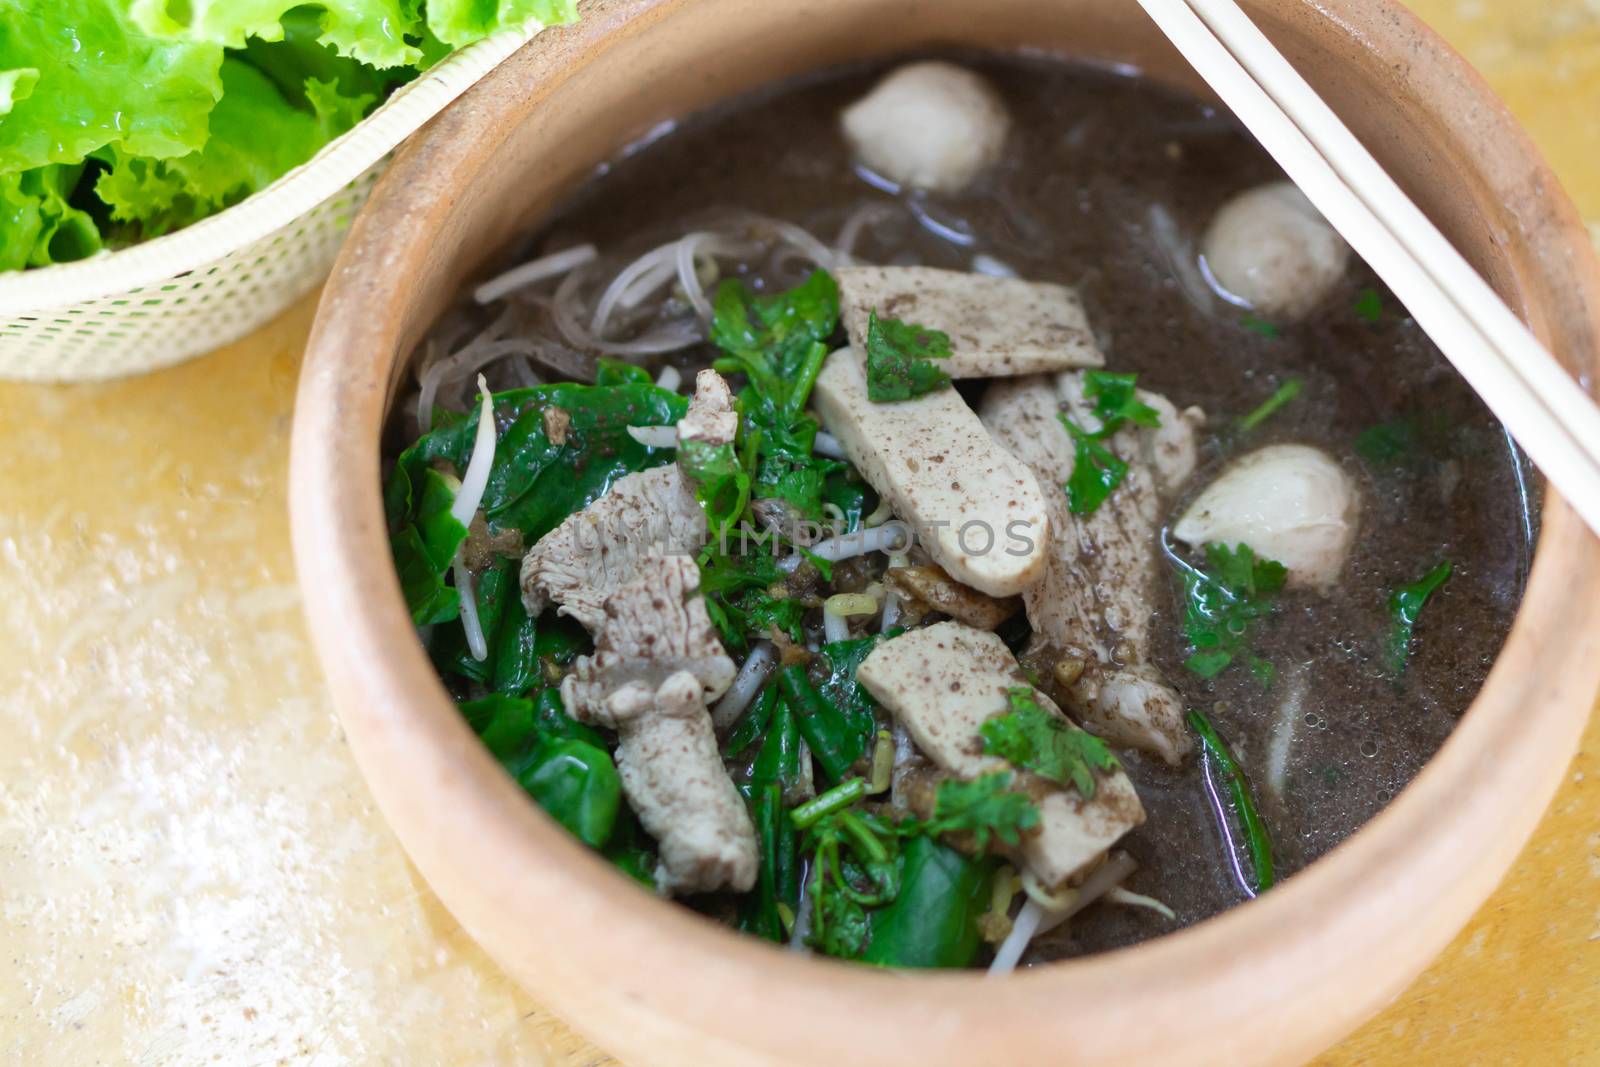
(191, 868)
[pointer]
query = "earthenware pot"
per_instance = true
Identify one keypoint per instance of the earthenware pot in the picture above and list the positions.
(1272, 981)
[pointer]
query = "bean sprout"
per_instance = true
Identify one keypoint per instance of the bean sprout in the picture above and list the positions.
(825, 444)
(860, 543)
(746, 684)
(655, 436)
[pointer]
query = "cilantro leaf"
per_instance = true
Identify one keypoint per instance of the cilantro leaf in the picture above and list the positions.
(1264, 327)
(1096, 470)
(1369, 307)
(1030, 737)
(1116, 400)
(986, 807)
(855, 866)
(900, 360)
(1222, 605)
(1405, 604)
(1389, 444)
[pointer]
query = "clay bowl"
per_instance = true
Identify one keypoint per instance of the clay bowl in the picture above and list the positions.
(1272, 981)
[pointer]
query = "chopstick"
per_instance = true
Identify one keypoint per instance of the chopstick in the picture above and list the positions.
(1542, 407)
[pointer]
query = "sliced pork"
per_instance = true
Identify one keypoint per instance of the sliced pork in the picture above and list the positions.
(942, 683)
(998, 327)
(1092, 605)
(974, 507)
(656, 664)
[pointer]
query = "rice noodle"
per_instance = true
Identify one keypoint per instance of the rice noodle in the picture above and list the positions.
(470, 360)
(564, 312)
(655, 267)
(825, 444)
(538, 270)
(957, 231)
(868, 216)
(688, 279)
(655, 436)
(1034, 919)
(476, 479)
(1186, 267)
(859, 543)
(746, 684)
(432, 373)
(526, 376)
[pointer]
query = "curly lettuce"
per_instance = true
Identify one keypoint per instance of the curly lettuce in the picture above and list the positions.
(122, 120)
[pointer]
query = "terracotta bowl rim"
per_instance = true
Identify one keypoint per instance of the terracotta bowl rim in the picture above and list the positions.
(1391, 867)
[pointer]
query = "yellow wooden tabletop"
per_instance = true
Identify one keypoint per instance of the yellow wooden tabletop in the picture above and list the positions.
(191, 869)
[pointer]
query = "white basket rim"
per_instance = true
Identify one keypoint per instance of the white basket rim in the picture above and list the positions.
(337, 164)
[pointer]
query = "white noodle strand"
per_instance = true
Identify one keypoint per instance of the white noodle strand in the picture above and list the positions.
(541, 269)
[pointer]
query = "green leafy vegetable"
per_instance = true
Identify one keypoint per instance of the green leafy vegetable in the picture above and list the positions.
(1405, 605)
(563, 765)
(745, 597)
(900, 360)
(1257, 840)
(82, 76)
(39, 224)
(183, 107)
(835, 740)
(1264, 327)
(255, 136)
(1222, 606)
(1369, 306)
(933, 918)
(854, 867)
(1269, 407)
(985, 807)
(1389, 444)
(1096, 470)
(535, 483)
(424, 549)
(1031, 738)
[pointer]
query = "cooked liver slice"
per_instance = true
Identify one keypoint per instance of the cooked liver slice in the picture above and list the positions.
(998, 327)
(942, 683)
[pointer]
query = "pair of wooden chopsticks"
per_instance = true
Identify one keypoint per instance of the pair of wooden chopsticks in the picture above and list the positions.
(1542, 407)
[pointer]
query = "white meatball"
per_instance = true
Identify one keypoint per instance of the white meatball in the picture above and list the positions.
(928, 125)
(1272, 251)
(1289, 503)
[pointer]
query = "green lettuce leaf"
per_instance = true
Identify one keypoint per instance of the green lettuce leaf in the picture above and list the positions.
(255, 137)
(460, 22)
(38, 225)
(80, 75)
(373, 31)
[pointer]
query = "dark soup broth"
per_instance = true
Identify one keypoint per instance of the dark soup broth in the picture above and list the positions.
(1276, 540)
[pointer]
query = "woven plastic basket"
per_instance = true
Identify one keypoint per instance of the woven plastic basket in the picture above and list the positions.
(184, 294)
